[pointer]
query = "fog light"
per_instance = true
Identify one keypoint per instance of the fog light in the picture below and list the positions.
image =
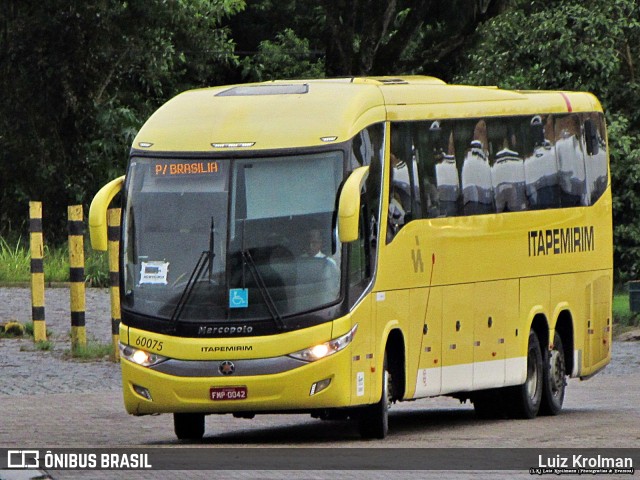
(319, 386)
(143, 392)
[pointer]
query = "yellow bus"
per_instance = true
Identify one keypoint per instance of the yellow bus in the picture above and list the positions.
(335, 246)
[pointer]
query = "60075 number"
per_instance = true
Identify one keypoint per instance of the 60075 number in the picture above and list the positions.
(149, 343)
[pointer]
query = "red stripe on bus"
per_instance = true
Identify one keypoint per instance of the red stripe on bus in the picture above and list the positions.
(567, 101)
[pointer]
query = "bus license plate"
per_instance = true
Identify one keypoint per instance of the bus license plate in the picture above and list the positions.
(228, 393)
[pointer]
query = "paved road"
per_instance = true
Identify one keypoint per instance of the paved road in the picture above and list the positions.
(48, 401)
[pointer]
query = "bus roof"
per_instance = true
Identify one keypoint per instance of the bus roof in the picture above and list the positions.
(297, 113)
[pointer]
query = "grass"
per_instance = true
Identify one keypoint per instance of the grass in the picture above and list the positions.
(91, 351)
(15, 264)
(622, 313)
(15, 261)
(45, 345)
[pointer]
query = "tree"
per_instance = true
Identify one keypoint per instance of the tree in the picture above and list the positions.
(383, 37)
(576, 45)
(366, 37)
(286, 57)
(79, 78)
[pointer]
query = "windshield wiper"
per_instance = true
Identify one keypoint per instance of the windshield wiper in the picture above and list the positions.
(247, 259)
(205, 260)
(264, 290)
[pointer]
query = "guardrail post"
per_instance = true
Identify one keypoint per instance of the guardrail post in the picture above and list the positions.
(113, 223)
(76, 276)
(37, 271)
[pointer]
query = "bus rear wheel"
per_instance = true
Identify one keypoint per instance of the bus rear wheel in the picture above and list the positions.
(373, 421)
(526, 398)
(189, 426)
(555, 379)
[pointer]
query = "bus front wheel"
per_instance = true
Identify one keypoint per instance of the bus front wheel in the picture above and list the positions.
(526, 398)
(373, 421)
(189, 426)
(555, 379)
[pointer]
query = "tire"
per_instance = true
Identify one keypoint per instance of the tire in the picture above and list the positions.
(555, 379)
(373, 421)
(526, 398)
(189, 426)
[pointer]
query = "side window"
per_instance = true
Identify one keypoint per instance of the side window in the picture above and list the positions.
(507, 142)
(439, 180)
(404, 199)
(595, 149)
(571, 166)
(444, 168)
(540, 164)
(367, 149)
(477, 186)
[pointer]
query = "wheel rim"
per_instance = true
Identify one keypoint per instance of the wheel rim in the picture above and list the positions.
(556, 373)
(532, 375)
(387, 388)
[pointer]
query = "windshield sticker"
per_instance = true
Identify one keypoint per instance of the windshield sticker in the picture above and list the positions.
(171, 169)
(154, 273)
(238, 298)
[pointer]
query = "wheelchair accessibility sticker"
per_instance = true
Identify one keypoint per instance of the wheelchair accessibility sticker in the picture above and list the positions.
(239, 298)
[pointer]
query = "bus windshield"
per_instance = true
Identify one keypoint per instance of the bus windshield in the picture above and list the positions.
(243, 239)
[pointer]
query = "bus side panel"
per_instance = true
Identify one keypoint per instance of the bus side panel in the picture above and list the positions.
(591, 314)
(362, 353)
(601, 331)
(392, 311)
(457, 337)
(429, 378)
(418, 298)
(495, 308)
(534, 300)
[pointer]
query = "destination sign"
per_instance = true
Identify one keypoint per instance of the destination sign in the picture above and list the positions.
(170, 169)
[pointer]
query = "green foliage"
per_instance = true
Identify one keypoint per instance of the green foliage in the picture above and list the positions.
(44, 345)
(622, 314)
(96, 269)
(287, 57)
(372, 37)
(15, 261)
(28, 328)
(553, 45)
(91, 351)
(15, 264)
(625, 178)
(78, 80)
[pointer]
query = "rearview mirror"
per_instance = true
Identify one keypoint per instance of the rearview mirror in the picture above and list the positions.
(98, 213)
(349, 205)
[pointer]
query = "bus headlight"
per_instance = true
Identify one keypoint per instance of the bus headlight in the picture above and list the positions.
(140, 357)
(323, 350)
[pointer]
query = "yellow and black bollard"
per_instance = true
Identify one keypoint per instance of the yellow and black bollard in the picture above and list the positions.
(37, 272)
(76, 277)
(113, 233)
